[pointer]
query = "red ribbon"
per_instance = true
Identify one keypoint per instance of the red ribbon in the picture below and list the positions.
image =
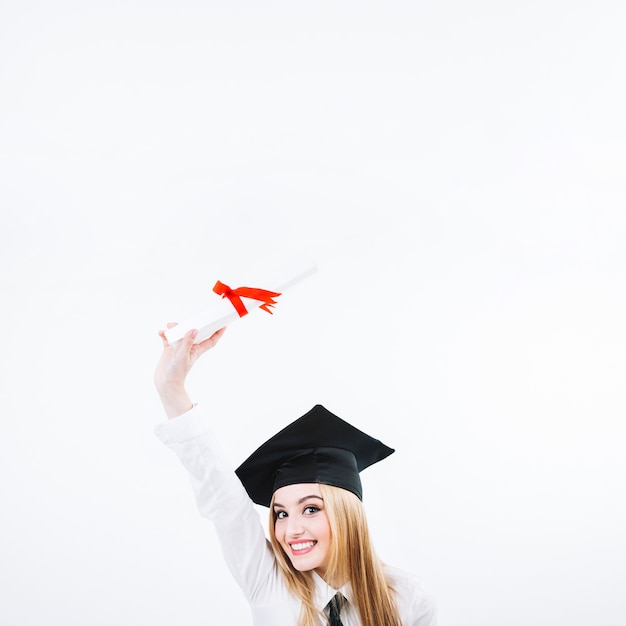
(235, 295)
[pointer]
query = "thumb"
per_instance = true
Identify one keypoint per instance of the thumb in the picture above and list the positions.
(188, 339)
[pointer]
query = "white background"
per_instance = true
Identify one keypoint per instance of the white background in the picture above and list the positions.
(456, 170)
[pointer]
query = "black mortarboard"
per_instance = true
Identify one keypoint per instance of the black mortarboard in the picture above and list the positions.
(319, 447)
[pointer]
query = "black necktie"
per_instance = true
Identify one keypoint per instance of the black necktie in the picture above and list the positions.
(335, 605)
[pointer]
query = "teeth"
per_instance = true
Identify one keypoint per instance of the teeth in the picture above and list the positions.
(302, 546)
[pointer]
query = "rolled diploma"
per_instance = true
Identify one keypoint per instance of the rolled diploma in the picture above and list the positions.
(223, 312)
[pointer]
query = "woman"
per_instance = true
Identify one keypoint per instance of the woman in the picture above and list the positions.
(319, 566)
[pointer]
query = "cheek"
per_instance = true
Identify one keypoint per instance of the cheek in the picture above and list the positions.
(323, 529)
(279, 532)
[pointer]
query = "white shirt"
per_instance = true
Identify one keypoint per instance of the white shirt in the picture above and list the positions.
(222, 498)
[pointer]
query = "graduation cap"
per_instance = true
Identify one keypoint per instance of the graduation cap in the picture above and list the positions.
(319, 447)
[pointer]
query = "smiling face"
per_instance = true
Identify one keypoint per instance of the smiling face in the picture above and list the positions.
(301, 526)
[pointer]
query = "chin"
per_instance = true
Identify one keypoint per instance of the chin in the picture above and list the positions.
(308, 567)
(303, 567)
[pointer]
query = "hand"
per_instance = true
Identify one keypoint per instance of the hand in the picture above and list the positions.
(175, 363)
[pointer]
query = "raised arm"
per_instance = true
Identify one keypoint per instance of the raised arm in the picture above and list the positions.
(219, 493)
(175, 363)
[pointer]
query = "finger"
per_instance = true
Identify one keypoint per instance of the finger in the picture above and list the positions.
(205, 344)
(215, 337)
(164, 339)
(188, 339)
(218, 333)
(171, 324)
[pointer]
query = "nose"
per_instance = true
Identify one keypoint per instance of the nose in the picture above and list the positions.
(294, 528)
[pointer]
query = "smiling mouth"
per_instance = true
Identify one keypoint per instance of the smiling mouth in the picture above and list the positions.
(300, 548)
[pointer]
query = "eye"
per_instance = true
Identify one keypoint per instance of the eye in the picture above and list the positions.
(281, 514)
(310, 510)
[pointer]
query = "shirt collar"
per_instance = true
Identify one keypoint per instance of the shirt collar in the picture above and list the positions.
(324, 592)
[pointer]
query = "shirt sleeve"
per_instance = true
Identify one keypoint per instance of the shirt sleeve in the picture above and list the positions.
(427, 614)
(221, 497)
(424, 608)
(416, 603)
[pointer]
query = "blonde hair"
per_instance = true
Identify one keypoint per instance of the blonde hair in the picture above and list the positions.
(352, 559)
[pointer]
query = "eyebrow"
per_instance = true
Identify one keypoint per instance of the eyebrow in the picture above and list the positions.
(301, 500)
